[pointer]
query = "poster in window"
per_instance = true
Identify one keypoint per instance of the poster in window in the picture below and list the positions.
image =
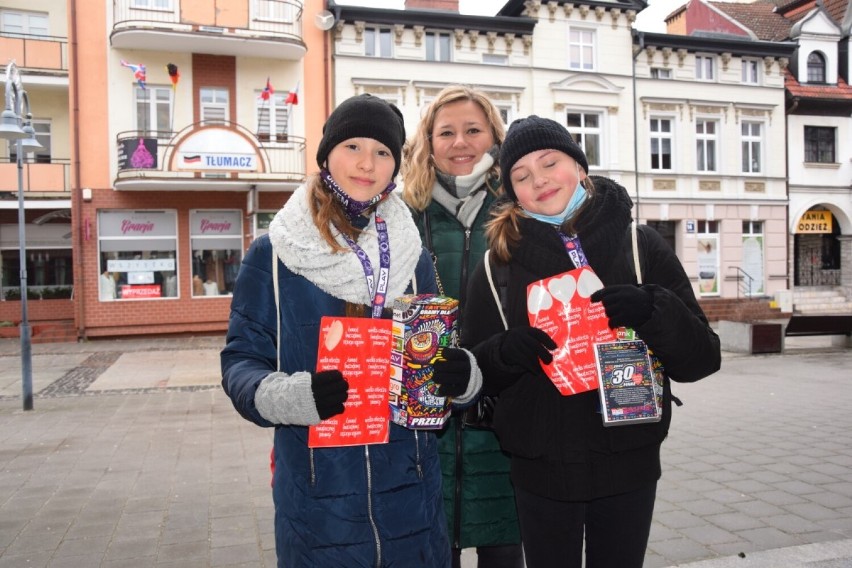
(753, 263)
(708, 265)
(137, 154)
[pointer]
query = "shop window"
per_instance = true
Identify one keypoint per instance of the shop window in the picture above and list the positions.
(216, 241)
(48, 273)
(137, 255)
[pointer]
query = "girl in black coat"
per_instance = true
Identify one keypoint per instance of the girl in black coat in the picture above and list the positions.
(573, 476)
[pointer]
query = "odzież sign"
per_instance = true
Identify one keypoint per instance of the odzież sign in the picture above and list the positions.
(814, 222)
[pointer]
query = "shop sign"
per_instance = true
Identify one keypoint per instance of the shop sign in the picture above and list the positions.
(204, 223)
(814, 222)
(121, 223)
(140, 292)
(216, 148)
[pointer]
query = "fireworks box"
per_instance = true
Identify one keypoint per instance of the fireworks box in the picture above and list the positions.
(423, 325)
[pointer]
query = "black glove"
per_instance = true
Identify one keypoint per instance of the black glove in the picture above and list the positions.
(626, 305)
(524, 346)
(330, 391)
(451, 372)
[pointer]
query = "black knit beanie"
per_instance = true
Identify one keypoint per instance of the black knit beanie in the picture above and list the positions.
(363, 116)
(533, 133)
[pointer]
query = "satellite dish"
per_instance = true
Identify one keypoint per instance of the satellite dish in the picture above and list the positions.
(324, 20)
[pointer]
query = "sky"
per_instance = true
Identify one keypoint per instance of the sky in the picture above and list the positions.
(649, 20)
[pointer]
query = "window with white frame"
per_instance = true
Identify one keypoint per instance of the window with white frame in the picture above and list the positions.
(152, 4)
(214, 104)
(377, 42)
(437, 46)
(662, 136)
(753, 258)
(586, 129)
(495, 59)
(506, 110)
(705, 67)
(707, 258)
(42, 135)
(661, 73)
(137, 255)
(153, 110)
(23, 23)
(816, 67)
(706, 144)
(750, 72)
(752, 147)
(581, 49)
(820, 144)
(273, 117)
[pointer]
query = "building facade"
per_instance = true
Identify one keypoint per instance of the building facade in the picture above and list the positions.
(184, 126)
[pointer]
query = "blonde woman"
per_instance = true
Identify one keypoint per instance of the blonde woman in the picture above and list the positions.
(451, 177)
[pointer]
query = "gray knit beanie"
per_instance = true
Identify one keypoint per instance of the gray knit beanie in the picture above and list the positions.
(533, 133)
(363, 116)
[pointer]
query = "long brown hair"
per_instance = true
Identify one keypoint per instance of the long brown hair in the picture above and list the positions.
(503, 229)
(418, 170)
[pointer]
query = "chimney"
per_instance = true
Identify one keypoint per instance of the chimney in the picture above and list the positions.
(443, 5)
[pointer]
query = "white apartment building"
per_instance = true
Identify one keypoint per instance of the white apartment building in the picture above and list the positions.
(648, 116)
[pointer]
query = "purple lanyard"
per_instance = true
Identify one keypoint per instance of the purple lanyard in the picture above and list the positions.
(381, 288)
(574, 250)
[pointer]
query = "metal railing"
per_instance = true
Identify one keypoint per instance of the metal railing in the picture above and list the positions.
(745, 283)
(45, 53)
(282, 160)
(280, 18)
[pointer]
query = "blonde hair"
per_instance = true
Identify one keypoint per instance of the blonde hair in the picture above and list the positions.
(418, 170)
(503, 230)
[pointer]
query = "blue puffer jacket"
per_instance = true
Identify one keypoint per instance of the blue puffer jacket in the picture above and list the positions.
(378, 505)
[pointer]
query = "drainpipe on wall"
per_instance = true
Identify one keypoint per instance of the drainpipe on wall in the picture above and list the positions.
(636, 53)
(76, 187)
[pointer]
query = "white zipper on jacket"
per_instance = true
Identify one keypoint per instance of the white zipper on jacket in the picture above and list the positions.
(370, 508)
(313, 467)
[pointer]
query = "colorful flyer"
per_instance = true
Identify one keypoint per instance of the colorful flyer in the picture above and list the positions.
(560, 306)
(361, 349)
(628, 387)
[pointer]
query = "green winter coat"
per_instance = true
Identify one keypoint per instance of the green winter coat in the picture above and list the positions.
(478, 496)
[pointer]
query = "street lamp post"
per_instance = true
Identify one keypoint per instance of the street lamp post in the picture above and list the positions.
(17, 102)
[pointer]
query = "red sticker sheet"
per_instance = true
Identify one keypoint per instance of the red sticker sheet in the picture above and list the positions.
(361, 349)
(560, 306)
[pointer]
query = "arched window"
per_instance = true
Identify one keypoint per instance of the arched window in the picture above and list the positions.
(816, 68)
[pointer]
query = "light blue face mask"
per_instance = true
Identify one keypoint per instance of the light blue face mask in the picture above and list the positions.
(574, 203)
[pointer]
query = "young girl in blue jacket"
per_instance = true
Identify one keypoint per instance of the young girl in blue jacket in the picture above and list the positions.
(342, 243)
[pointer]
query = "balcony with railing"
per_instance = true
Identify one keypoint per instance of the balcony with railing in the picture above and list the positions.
(209, 156)
(33, 54)
(50, 178)
(251, 28)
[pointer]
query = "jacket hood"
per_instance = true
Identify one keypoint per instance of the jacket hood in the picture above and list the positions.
(297, 242)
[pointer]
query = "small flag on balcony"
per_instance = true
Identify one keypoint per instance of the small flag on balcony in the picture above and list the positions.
(268, 91)
(174, 74)
(293, 96)
(138, 72)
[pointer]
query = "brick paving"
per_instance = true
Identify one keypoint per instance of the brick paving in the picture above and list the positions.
(134, 457)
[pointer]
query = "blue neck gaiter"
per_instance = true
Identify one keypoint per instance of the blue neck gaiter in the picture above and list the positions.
(579, 197)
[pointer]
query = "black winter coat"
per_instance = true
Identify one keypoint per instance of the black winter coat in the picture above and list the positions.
(559, 446)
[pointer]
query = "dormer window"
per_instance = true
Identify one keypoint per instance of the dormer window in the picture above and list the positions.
(816, 68)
